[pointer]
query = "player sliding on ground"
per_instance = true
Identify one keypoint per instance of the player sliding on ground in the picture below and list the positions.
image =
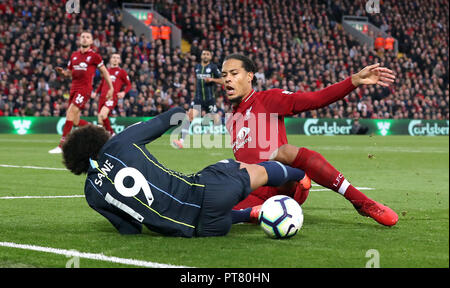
(257, 132)
(127, 185)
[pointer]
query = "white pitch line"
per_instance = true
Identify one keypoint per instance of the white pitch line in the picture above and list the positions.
(326, 189)
(42, 197)
(82, 196)
(92, 256)
(32, 167)
(27, 141)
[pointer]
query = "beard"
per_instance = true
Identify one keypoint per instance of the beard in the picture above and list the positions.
(236, 100)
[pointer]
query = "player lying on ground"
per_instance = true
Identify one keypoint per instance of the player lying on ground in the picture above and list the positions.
(250, 108)
(127, 185)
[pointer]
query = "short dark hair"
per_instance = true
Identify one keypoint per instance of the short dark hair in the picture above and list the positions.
(82, 144)
(247, 64)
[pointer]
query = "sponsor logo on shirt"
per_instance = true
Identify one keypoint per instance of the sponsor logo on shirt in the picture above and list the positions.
(82, 66)
(203, 76)
(242, 138)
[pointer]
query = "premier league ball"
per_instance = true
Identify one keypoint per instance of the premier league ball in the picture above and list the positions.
(280, 217)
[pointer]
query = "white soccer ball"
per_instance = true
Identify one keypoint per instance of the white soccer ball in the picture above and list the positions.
(280, 217)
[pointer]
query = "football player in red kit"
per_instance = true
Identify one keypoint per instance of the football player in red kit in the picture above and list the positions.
(81, 68)
(119, 78)
(258, 133)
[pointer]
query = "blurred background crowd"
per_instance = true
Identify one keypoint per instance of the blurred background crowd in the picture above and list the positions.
(296, 45)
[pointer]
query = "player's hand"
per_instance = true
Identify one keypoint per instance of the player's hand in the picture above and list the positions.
(374, 74)
(60, 70)
(120, 95)
(93, 95)
(208, 79)
(110, 93)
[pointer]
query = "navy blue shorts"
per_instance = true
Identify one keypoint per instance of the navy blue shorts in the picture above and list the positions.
(209, 105)
(225, 186)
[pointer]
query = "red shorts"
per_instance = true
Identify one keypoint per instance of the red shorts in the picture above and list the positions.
(111, 104)
(79, 98)
(261, 194)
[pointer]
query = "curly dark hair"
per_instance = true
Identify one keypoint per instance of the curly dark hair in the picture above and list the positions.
(82, 144)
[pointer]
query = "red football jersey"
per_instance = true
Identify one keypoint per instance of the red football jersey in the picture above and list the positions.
(83, 66)
(119, 78)
(257, 125)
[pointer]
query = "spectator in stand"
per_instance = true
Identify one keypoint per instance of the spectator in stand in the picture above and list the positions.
(294, 44)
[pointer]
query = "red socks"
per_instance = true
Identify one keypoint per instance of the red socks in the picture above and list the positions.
(68, 127)
(82, 123)
(323, 173)
(107, 125)
(66, 130)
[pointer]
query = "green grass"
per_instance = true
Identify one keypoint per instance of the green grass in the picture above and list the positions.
(410, 174)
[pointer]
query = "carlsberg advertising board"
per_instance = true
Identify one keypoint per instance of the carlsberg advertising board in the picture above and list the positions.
(309, 126)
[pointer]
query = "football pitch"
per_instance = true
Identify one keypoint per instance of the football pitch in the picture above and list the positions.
(46, 222)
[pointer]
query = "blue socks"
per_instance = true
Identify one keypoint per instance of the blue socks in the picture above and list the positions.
(279, 173)
(239, 216)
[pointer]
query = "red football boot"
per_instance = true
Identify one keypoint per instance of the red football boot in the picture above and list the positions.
(302, 190)
(380, 213)
(254, 214)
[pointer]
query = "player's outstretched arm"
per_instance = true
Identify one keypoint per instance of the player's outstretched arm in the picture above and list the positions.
(287, 103)
(146, 132)
(374, 74)
(63, 72)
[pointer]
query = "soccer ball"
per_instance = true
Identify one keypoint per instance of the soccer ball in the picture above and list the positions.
(280, 217)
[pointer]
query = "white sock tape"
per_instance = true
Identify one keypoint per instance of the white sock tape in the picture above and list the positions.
(344, 187)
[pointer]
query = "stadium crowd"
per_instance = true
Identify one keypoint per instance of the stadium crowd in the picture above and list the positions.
(297, 45)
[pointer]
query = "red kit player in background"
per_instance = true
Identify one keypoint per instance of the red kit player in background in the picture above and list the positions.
(81, 68)
(119, 78)
(258, 133)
